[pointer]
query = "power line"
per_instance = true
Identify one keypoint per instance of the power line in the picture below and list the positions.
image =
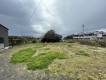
(35, 9)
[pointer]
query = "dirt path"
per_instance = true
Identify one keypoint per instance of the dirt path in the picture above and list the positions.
(9, 71)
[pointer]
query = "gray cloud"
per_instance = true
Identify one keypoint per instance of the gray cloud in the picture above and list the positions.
(78, 12)
(35, 17)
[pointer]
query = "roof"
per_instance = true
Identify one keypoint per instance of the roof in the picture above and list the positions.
(3, 26)
(102, 30)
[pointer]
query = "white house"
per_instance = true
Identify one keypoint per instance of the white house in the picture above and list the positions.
(89, 36)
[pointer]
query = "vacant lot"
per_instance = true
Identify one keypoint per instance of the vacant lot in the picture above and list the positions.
(53, 61)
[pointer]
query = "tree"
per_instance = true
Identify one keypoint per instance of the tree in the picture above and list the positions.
(51, 36)
(69, 37)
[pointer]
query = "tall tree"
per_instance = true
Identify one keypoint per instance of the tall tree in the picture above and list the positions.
(51, 36)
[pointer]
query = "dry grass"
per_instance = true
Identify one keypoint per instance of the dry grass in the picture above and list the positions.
(83, 62)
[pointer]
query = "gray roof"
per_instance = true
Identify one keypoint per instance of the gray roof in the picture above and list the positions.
(3, 26)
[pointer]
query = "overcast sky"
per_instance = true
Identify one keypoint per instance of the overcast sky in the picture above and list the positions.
(35, 17)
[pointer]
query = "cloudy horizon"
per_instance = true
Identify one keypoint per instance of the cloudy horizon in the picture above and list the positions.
(35, 17)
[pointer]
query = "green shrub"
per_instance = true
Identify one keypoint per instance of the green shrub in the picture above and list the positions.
(34, 41)
(102, 43)
(22, 55)
(42, 61)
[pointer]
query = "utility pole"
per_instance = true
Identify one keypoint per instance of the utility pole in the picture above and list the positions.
(83, 27)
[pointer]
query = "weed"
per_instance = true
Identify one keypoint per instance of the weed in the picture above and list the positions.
(83, 53)
(69, 45)
(39, 45)
(47, 48)
(22, 56)
(42, 61)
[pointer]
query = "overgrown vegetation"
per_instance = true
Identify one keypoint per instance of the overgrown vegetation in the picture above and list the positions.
(87, 42)
(79, 62)
(21, 40)
(42, 61)
(102, 43)
(82, 53)
(22, 55)
(36, 62)
(97, 43)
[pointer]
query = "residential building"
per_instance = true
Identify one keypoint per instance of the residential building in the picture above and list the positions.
(3, 37)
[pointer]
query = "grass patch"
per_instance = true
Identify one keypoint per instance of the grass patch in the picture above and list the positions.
(36, 62)
(69, 45)
(22, 56)
(83, 53)
(39, 45)
(46, 48)
(42, 61)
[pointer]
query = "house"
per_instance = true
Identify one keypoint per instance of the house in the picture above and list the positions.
(3, 37)
(90, 36)
(104, 36)
(85, 36)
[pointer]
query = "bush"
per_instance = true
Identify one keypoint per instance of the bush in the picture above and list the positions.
(51, 36)
(102, 43)
(34, 41)
(68, 37)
